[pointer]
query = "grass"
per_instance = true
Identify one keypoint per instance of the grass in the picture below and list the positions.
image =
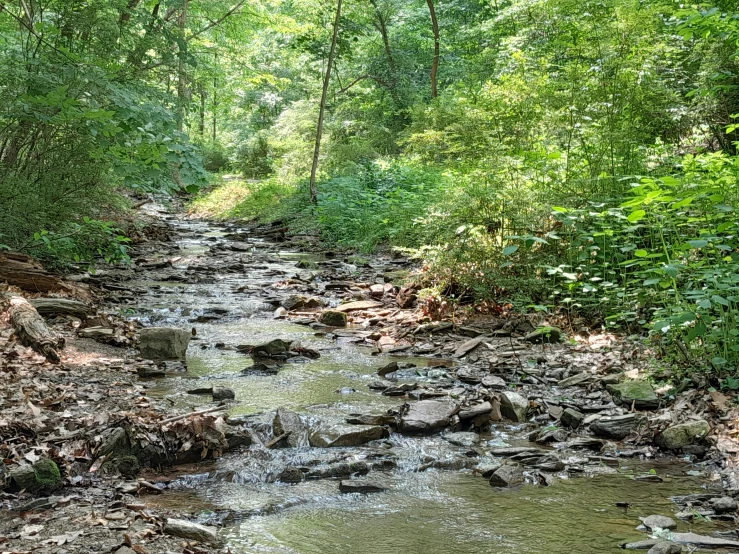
(233, 197)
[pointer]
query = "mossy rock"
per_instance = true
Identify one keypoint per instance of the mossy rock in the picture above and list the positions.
(332, 318)
(44, 475)
(638, 393)
(544, 334)
(127, 466)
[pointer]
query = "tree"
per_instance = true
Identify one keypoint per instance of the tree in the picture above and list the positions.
(435, 62)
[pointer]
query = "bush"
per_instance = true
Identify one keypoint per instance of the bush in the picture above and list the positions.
(255, 156)
(215, 156)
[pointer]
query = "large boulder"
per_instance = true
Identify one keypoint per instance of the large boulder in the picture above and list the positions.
(683, 434)
(616, 427)
(164, 343)
(287, 421)
(326, 436)
(639, 394)
(425, 417)
(507, 476)
(514, 406)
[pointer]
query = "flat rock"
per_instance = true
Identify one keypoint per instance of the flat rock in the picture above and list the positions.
(571, 418)
(190, 531)
(477, 410)
(658, 522)
(683, 434)
(508, 451)
(639, 394)
(514, 406)
(723, 504)
(467, 347)
(507, 476)
(164, 343)
(425, 417)
(616, 427)
(327, 436)
(494, 382)
(358, 305)
(640, 545)
(465, 439)
(574, 380)
(702, 540)
(360, 486)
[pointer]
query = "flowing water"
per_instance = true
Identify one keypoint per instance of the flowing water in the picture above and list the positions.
(446, 512)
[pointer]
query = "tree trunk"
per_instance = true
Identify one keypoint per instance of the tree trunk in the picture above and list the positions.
(182, 92)
(322, 109)
(31, 329)
(201, 127)
(435, 63)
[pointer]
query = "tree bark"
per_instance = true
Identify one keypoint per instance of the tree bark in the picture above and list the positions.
(435, 62)
(182, 91)
(32, 330)
(28, 274)
(322, 109)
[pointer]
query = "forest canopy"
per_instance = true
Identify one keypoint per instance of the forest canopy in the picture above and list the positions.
(563, 155)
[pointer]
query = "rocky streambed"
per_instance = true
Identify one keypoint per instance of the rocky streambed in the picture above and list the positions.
(332, 415)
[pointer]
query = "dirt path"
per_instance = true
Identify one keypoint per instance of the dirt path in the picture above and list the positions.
(364, 381)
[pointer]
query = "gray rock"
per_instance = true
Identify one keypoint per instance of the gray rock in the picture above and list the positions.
(571, 418)
(41, 476)
(507, 476)
(683, 434)
(723, 504)
(514, 406)
(360, 485)
(97, 332)
(190, 531)
(639, 394)
(574, 380)
(663, 547)
(287, 421)
(616, 427)
(276, 347)
(298, 302)
(487, 470)
(494, 382)
(164, 343)
(425, 417)
(658, 522)
(544, 334)
(462, 439)
(640, 545)
(332, 318)
(703, 540)
(223, 393)
(475, 411)
(326, 436)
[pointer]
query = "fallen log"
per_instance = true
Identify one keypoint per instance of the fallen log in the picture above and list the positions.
(61, 306)
(27, 273)
(31, 329)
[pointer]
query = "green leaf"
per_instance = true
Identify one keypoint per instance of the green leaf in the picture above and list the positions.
(641, 253)
(636, 215)
(508, 250)
(698, 243)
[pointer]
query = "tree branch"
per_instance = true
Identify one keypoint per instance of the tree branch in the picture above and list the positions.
(212, 24)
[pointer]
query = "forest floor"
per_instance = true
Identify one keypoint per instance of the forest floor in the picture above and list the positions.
(117, 424)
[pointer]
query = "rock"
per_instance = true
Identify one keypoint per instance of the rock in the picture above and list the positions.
(683, 434)
(702, 540)
(571, 418)
(290, 474)
(544, 334)
(326, 436)
(359, 305)
(360, 485)
(663, 547)
(467, 347)
(150, 371)
(333, 318)
(276, 347)
(462, 439)
(475, 411)
(287, 421)
(425, 417)
(616, 427)
(280, 313)
(406, 297)
(112, 440)
(514, 406)
(723, 504)
(190, 531)
(658, 522)
(40, 476)
(638, 393)
(640, 545)
(370, 419)
(508, 451)
(486, 470)
(125, 550)
(377, 291)
(494, 382)
(164, 343)
(298, 302)
(574, 380)
(507, 476)
(97, 332)
(392, 367)
(223, 393)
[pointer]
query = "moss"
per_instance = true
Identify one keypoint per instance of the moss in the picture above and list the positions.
(47, 473)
